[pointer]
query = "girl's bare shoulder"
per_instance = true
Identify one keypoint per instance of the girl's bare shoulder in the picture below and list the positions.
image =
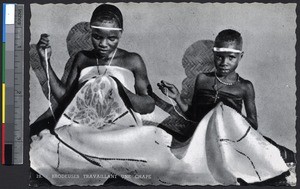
(84, 58)
(129, 56)
(205, 76)
(131, 60)
(246, 85)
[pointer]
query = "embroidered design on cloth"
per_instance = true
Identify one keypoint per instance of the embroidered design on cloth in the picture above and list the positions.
(95, 106)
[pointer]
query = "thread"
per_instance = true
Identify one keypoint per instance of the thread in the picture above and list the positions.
(48, 84)
(177, 110)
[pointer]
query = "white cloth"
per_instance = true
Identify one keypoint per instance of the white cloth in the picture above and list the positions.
(223, 148)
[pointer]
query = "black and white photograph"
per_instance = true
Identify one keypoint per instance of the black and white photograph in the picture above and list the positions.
(137, 94)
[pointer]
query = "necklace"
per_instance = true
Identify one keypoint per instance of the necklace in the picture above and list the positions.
(108, 63)
(226, 83)
(216, 97)
(215, 86)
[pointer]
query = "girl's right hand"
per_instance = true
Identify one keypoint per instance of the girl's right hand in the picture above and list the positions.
(168, 89)
(42, 45)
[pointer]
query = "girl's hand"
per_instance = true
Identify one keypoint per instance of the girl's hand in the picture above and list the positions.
(42, 45)
(168, 89)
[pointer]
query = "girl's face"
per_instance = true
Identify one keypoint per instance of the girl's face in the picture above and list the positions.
(105, 41)
(227, 62)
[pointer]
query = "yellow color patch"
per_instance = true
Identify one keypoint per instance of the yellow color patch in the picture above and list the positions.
(3, 103)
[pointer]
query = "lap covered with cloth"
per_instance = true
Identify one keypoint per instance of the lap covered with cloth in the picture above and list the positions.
(99, 136)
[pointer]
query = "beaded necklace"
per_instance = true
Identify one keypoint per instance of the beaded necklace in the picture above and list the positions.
(216, 97)
(226, 83)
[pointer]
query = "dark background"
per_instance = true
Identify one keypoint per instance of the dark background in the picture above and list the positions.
(18, 176)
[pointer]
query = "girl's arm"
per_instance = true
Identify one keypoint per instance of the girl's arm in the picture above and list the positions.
(141, 101)
(249, 102)
(171, 91)
(199, 84)
(58, 88)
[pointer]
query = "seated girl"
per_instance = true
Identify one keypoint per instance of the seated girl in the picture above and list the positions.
(107, 26)
(224, 85)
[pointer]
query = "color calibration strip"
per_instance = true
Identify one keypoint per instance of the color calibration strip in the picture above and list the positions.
(3, 90)
(12, 84)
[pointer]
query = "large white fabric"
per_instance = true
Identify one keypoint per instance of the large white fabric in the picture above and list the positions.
(223, 148)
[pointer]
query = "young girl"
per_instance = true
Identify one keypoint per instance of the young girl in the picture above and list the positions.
(107, 26)
(222, 85)
(106, 89)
